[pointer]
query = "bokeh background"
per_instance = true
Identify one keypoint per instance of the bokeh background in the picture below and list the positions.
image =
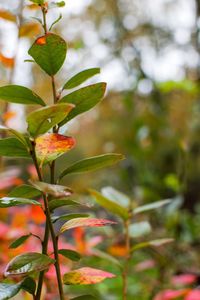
(149, 56)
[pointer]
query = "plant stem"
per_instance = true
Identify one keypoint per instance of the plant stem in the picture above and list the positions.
(127, 260)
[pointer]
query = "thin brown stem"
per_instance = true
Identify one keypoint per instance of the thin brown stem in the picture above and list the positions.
(127, 261)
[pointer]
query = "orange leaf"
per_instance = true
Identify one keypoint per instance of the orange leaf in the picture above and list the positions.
(29, 29)
(118, 250)
(86, 276)
(7, 61)
(8, 16)
(37, 215)
(52, 145)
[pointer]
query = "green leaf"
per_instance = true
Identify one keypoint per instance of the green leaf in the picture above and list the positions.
(24, 191)
(56, 203)
(70, 254)
(68, 217)
(116, 196)
(56, 21)
(27, 263)
(19, 241)
(110, 205)
(52, 189)
(29, 285)
(9, 290)
(49, 52)
(92, 164)
(154, 205)
(40, 2)
(16, 133)
(12, 147)
(154, 243)
(19, 94)
(84, 99)
(13, 201)
(41, 120)
(139, 229)
(80, 78)
(106, 256)
(85, 297)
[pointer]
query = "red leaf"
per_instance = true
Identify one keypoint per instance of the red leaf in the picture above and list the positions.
(193, 295)
(85, 276)
(184, 279)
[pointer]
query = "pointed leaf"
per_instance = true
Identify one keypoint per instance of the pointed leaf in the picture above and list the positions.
(19, 94)
(24, 191)
(68, 217)
(56, 203)
(49, 52)
(70, 254)
(80, 78)
(16, 133)
(92, 164)
(52, 189)
(154, 243)
(139, 229)
(19, 241)
(52, 145)
(116, 196)
(84, 99)
(154, 205)
(29, 285)
(9, 290)
(85, 222)
(13, 201)
(56, 21)
(27, 263)
(41, 120)
(12, 147)
(110, 205)
(85, 276)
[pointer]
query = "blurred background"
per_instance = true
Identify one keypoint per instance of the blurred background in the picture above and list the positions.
(149, 56)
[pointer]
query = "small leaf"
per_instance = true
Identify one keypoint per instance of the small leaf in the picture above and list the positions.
(9, 290)
(92, 164)
(154, 243)
(29, 285)
(85, 297)
(84, 99)
(56, 4)
(13, 201)
(154, 205)
(41, 120)
(85, 222)
(56, 203)
(27, 263)
(24, 191)
(49, 52)
(19, 241)
(16, 133)
(7, 15)
(40, 2)
(110, 205)
(52, 145)
(80, 78)
(68, 217)
(139, 229)
(19, 94)
(70, 254)
(116, 196)
(52, 189)
(85, 276)
(55, 22)
(12, 147)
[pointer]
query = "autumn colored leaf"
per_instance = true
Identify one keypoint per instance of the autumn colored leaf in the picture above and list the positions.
(29, 30)
(52, 189)
(85, 222)
(7, 61)
(86, 276)
(6, 15)
(52, 145)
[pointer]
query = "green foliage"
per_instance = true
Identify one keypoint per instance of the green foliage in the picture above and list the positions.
(12, 147)
(70, 254)
(49, 52)
(56, 203)
(9, 290)
(19, 241)
(19, 94)
(24, 191)
(14, 201)
(80, 78)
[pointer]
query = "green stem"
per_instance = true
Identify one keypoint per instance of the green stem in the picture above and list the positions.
(127, 261)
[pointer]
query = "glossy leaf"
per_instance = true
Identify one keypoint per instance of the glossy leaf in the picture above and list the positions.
(14, 201)
(19, 94)
(27, 263)
(49, 52)
(56, 203)
(139, 229)
(12, 147)
(41, 120)
(154, 205)
(116, 196)
(52, 189)
(52, 145)
(110, 205)
(68, 217)
(84, 99)
(153, 243)
(85, 276)
(24, 191)
(16, 133)
(19, 241)
(80, 78)
(9, 290)
(92, 164)
(70, 254)
(85, 222)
